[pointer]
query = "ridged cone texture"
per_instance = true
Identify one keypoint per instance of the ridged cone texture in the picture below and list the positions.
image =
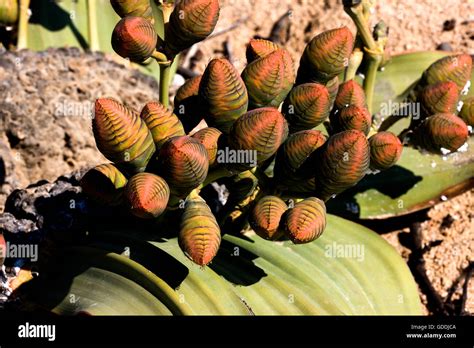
(147, 195)
(104, 184)
(262, 130)
(199, 236)
(333, 87)
(455, 68)
(350, 93)
(259, 48)
(343, 162)
(326, 56)
(190, 22)
(441, 97)
(224, 94)
(183, 162)
(136, 8)
(134, 38)
(189, 89)
(122, 136)
(188, 105)
(351, 118)
(467, 111)
(385, 150)
(209, 138)
(265, 217)
(161, 122)
(269, 79)
(295, 161)
(306, 221)
(439, 131)
(307, 106)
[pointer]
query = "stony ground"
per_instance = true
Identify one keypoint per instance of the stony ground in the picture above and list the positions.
(414, 25)
(46, 107)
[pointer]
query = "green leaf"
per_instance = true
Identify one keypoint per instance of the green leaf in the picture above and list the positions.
(249, 276)
(418, 180)
(65, 23)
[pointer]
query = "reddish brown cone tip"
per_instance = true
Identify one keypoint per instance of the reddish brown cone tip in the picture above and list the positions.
(441, 97)
(350, 93)
(134, 38)
(121, 135)
(306, 221)
(343, 162)
(209, 138)
(259, 48)
(385, 150)
(306, 106)
(224, 94)
(262, 130)
(190, 22)
(326, 56)
(269, 79)
(455, 68)
(184, 163)
(147, 195)
(352, 117)
(265, 217)
(199, 236)
(104, 183)
(189, 89)
(441, 131)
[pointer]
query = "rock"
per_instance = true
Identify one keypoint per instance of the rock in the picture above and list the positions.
(44, 207)
(45, 111)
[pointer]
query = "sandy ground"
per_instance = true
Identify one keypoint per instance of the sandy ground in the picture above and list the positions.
(414, 25)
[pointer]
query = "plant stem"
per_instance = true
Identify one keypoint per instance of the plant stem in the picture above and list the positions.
(167, 9)
(92, 23)
(354, 64)
(358, 14)
(23, 25)
(165, 74)
(369, 81)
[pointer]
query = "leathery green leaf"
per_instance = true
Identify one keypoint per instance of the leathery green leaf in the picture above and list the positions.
(349, 270)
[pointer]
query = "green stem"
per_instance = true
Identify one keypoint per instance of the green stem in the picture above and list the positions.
(354, 64)
(165, 74)
(92, 23)
(23, 25)
(167, 8)
(357, 15)
(369, 81)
